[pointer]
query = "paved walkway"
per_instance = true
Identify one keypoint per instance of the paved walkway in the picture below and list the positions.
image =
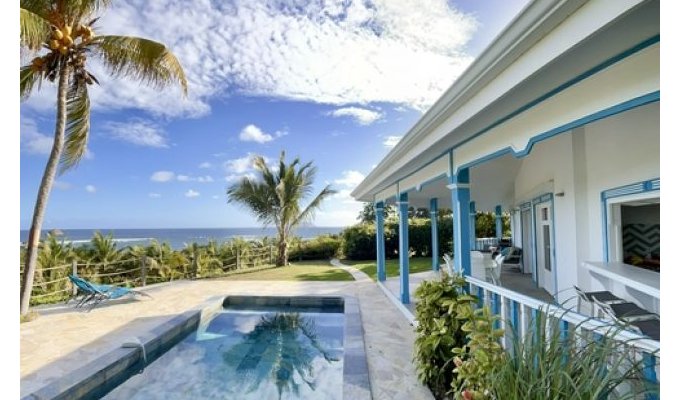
(63, 339)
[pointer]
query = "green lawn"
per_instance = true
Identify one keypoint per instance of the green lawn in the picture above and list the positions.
(416, 264)
(318, 270)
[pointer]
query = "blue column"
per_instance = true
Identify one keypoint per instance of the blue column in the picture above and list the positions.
(380, 239)
(403, 247)
(460, 201)
(499, 222)
(435, 234)
(649, 371)
(473, 227)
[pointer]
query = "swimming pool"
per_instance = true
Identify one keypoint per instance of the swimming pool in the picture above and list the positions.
(244, 347)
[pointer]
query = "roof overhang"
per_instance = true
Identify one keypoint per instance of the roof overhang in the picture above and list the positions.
(546, 45)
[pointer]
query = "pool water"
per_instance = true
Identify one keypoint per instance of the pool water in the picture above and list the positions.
(262, 352)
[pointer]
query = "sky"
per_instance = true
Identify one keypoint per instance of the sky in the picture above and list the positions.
(337, 83)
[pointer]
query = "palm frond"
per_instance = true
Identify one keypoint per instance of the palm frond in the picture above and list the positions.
(75, 10)
(38, 7)
(27, 80)
(256, 196)
(35, 30)
(308, 213)
(142, 59)
(77, 125)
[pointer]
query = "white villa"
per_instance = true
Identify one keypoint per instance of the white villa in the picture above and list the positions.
(557, 124)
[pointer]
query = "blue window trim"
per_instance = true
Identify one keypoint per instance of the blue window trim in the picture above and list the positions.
(651, 185)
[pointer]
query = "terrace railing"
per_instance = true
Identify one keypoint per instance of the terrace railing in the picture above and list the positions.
(483, 244)
(519, 314)
(51, 284)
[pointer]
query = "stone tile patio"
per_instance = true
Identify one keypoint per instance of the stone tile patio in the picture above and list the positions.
(63, 339)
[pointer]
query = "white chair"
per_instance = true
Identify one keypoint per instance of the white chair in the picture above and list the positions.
(494, 270)
(449, 264)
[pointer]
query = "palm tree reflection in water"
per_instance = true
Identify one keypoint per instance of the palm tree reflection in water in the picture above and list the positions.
(280, 345)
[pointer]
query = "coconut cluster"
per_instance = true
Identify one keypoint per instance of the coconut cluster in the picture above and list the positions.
(64, 38)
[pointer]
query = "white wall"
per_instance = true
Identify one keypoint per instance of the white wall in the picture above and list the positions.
(617, 151)
(549, 168)
(620, 150)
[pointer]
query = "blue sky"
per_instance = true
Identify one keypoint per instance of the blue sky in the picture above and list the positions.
(337, 83)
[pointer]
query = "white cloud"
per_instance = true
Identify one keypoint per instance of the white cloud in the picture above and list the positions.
(90, 189)
(231, 178)
(154, 195)
(341, 209)
(191, 193)
(199, 179)
(350, 179)
(32, 141)
(205, 165)
(239, 168)
(362, 116)
(162, 176)
(325, 51)
(391, 141)
(138, 132)
(216, 197)
(252, 133)
(239, 165)
(35, 142)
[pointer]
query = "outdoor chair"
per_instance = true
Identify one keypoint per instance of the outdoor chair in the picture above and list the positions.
(648, 327)
(603, 296)
(511, 256)
(624, 312)
(494, 270)
(633, 317)
(96, 293)
(449, 264)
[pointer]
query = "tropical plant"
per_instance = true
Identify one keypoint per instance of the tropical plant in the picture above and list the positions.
(53, 254)
(60, 35)
(479, 356)
(441, 311)
(202, 262)
(550, 362)
(103, 249)
(485, 224)
(275, 197)
(367, 214)
(322, 247)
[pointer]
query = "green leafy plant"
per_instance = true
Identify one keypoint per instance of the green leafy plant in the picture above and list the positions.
(440, 330)
(550, 362)
(477, 359)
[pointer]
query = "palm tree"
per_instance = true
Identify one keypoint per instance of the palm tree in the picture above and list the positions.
(60, 35)
(275, 197)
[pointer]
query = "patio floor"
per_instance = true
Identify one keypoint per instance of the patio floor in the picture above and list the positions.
(63, 339)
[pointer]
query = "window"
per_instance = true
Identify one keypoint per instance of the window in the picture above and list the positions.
(634, 230)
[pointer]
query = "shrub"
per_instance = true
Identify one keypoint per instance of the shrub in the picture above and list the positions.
(480, 356)
(320, 248)
(439, 331)
(359, 240)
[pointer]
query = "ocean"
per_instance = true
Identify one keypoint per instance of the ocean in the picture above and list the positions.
(178, 237)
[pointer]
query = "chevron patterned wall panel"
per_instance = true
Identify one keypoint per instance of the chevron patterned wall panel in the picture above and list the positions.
(641, 239)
